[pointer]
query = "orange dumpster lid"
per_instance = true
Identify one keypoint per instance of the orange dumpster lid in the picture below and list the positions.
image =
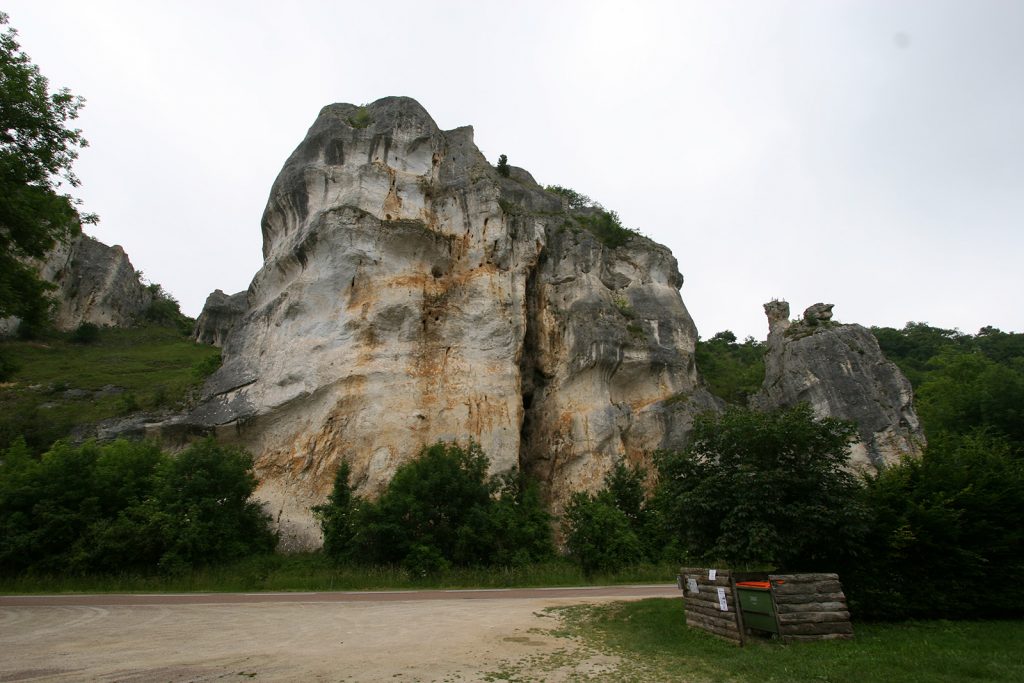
(754, 584)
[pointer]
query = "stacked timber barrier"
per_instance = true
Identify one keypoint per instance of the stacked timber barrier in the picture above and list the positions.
(705, 597)
(810, 607)
(807, 607)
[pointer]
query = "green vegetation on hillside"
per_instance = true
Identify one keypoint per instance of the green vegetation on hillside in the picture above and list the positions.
(733, 371)
(62, 384)
(590, 215)
(963, 383)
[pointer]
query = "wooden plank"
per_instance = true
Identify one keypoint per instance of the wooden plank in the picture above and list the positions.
(824, 606)
(803, 598)
(712, 611)
(812, 617)
(732, 634)
(802, 578)
(815, 629)
(814, 587)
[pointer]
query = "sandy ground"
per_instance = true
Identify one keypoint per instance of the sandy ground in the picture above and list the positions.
(397, 637)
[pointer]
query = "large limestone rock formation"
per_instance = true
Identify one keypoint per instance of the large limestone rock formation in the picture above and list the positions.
(410, 293)
(95, 283)
(841, 372)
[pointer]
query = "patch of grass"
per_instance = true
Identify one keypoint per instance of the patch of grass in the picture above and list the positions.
(655, 645)
(61, 384)
(314, 572)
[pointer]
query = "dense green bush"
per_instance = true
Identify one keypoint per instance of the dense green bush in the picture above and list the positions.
(617, 526)
(86, 333)
(946, 534)
(598, 535)
(438, 510)
(127, 505)
(763, 489)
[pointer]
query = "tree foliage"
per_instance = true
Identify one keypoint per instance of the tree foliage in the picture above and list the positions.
(946, 534)
(762, 489)
(37, 150)
(127, 505)
(439, 510)
(732, 370)
(616, 526)
(503, 168)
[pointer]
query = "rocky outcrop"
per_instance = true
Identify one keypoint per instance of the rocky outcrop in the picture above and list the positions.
(410, 294)
(220, 314)
(841, 372)
(95, 284)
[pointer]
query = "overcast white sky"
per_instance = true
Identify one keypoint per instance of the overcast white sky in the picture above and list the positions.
(866, 153)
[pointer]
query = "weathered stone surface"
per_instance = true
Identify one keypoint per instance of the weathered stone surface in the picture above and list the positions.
(409, 293)
(95, 284)
(840, 371)
(220, 314)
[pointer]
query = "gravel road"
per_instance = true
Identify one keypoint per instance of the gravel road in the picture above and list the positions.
(381, 636)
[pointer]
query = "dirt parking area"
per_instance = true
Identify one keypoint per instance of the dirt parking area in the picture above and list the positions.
(398, 638)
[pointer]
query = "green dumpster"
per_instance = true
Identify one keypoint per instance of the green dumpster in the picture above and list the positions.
(756, 605)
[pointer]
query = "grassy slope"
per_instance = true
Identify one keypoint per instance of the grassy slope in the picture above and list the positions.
(655, 645)
(145, 368)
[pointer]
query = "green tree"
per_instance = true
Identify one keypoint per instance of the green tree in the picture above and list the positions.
(336, 517)
(435, 505)
(204, 507)
(503, 168)
(966, 391)
(37, 150)
(616, 526)
(763, 489)
(127, 505)
(598, 535)
(520, 526)
(733, 371)
(943, 529)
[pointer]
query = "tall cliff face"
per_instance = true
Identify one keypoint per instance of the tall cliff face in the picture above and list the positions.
(410, 293)
(841, 372)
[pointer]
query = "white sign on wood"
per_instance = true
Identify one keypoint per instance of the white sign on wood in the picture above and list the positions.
(712, 574)
(721, 600)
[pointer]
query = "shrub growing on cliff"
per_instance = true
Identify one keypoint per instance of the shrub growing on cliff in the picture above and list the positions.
(503, 169)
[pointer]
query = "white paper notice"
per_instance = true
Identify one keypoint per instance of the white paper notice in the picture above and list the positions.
(721, 600)
(712, 574)
(691, 585)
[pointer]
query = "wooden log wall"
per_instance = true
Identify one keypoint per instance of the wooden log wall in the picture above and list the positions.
(810, 607)
(703, 607)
